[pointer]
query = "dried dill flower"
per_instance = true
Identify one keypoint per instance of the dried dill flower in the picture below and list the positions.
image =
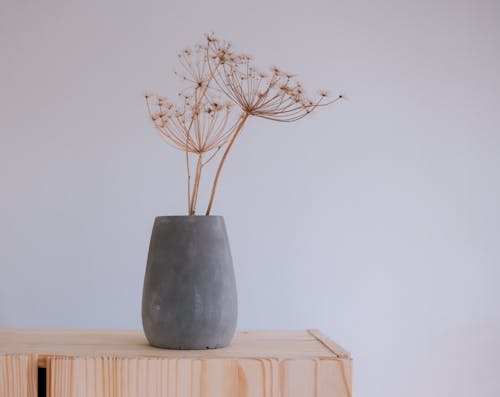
(277, 96)
(201, 124)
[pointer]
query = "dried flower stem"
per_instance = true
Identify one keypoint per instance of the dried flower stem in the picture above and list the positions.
(188, 177)
(244, 118)
(196, 186)
(203, 123)
(192, 199)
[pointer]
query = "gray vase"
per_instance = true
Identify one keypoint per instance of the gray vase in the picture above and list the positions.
(189, 298)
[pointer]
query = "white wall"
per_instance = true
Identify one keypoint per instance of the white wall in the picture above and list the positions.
(376, 220)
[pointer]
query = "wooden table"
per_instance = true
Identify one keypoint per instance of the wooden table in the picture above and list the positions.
(112, 363)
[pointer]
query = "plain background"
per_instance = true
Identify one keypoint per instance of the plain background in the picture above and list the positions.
(375, 220)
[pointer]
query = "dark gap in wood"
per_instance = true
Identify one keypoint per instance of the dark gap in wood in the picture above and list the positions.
(42, 382)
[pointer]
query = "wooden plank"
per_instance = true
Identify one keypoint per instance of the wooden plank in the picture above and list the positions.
(214, 377)
(18, 375)
(132, 343)
(110, 363)
(344, 357)
(334, 347)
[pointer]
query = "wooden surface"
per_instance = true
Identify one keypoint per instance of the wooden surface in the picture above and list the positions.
(18, 375)
(111, 363)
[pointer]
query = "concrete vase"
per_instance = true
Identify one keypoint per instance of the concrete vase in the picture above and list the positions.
(189, 298)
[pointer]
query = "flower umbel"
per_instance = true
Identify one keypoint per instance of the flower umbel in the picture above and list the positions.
(276, 96)
(202, 123)
(196, 128)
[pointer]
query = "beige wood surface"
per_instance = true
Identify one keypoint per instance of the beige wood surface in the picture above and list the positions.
(111, 363)
(18, 375)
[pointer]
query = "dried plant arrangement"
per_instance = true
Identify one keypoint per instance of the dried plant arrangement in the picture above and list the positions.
(223, 90)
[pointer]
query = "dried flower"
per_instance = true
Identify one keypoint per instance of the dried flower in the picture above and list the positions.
(278, 97)
(202, 122)
(196, 129)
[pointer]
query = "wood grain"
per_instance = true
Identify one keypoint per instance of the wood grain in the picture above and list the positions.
(97, 363)
(150, 377)
(343, 355)
(18, 375)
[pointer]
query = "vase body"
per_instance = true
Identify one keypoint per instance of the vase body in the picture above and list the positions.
(189, 298)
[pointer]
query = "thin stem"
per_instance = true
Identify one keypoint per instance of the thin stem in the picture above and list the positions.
(191, 209)
(229, 146)
(213, 154)
(188, 176)
(194, 198)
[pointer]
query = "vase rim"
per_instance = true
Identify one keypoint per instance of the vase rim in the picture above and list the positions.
(189, 216)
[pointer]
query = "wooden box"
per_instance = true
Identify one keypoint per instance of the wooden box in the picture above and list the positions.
(110, 363)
